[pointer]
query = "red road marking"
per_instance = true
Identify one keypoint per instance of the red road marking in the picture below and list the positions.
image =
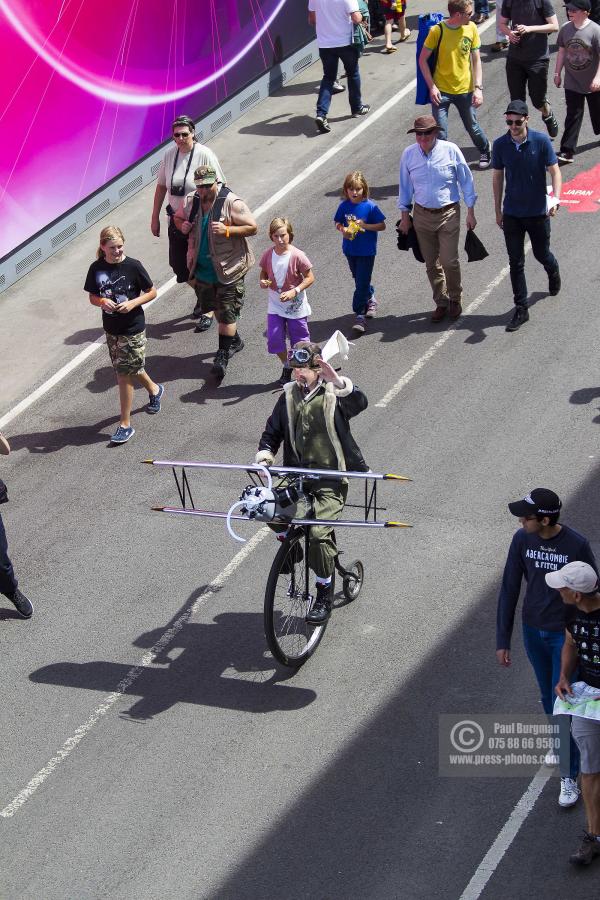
(583, 193)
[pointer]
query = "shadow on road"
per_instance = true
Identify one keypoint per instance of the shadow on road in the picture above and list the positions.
(221, 664)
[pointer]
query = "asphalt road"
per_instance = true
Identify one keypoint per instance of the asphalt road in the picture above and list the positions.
(210, 771)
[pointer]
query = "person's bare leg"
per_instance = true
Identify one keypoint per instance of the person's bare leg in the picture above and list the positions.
(403, 30)
(144, 379)
(590, 789)
(387, 32)
(125, 398)
(228, 330)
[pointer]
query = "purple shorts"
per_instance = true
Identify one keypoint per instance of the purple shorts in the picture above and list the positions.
(297, 330)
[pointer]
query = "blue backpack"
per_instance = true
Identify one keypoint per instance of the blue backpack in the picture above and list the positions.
(426, 22)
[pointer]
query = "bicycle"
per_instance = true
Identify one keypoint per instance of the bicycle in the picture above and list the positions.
(288, 596)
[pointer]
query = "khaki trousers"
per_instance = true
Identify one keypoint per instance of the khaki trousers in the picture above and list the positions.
(438, 231)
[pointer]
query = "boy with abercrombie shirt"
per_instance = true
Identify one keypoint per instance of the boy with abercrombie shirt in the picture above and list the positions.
(541, 545)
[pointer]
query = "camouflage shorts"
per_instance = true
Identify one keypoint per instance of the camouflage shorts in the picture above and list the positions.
(127, 352)
(225, 300)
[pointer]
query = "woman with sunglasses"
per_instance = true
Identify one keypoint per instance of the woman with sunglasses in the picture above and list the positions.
(312, 421)
(175, 180)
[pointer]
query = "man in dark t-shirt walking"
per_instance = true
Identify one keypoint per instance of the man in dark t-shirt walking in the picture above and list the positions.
(527, 24)
(541, 545)
(577, 584)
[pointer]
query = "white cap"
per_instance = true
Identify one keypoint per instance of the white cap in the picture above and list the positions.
(578, 576)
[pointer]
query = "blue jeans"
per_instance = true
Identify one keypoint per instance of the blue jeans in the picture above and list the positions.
(8, 582)
(543, 650)
(466, 110)
(482, 7)
(349, 58)
(362, 270)
(515, 229)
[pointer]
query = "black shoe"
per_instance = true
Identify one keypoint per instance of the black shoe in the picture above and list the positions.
(361, 111)
(551, 123)
(204, 323)
(565, 156)
(220, 363)
(286, 375)
(554, 283)
(321, 609)
(520, 316)
(295, 555)
(236, 346)
(322, 124)
(338, 88)
(589, 849)
(23, 606)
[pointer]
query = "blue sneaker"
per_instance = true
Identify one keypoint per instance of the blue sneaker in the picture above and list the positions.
(122, 435)
(154, 405)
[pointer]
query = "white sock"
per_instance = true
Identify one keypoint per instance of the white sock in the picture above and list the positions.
(323, 580)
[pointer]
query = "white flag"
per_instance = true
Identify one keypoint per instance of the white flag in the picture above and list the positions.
(337, 343)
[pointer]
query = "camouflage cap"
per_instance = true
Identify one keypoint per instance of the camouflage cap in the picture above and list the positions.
(204, 176)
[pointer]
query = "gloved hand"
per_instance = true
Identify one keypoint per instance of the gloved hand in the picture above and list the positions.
(264, 458)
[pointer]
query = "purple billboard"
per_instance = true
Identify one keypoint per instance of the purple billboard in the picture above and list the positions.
(90, 88)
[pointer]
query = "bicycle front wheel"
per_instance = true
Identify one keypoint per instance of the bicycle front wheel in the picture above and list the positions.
(288, 599)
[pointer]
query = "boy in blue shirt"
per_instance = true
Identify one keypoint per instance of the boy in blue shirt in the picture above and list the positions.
(359, 220)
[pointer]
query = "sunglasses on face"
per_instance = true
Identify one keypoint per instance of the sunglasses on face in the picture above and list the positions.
(181, 134)
(517, 122)
(426, 133)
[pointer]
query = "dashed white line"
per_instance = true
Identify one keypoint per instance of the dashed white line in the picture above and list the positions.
(492, 858)
(147, 659)
(416, 367)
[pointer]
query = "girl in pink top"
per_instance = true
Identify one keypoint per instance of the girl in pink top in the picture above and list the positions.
(285, 272)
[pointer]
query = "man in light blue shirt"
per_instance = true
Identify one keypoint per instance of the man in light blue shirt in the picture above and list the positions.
(433, 174)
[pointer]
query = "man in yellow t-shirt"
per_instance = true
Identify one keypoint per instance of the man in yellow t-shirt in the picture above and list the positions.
(457, 73)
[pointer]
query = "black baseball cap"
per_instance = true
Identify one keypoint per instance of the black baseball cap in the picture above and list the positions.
(517, 108)
(539, 502)
(584, 5)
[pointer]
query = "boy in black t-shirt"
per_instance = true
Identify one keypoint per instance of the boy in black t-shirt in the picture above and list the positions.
(577, 584)
(120, 286)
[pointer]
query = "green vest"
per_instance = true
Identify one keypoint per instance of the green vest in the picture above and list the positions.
(313, 445)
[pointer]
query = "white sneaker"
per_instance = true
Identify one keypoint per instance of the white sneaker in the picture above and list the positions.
(569, 792)
(551, 759)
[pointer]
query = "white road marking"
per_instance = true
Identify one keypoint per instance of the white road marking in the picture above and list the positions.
(70, 367)
(492, 858)
(134, 673)
(416, 367)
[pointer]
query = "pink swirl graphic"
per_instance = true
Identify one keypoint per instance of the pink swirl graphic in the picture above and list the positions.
(142, 54)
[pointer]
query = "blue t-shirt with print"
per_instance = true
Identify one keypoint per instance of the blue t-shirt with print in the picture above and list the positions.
(365, 242)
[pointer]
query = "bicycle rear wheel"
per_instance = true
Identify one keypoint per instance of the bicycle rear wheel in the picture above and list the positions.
(288, 599)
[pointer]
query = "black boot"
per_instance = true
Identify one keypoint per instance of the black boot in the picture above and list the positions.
(321, 609)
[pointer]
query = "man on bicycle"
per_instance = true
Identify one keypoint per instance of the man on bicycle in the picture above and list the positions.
(311, 418)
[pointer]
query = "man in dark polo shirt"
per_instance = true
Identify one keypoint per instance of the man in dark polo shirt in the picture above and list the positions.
(577, 584)
(531, 21)
(522, 157)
